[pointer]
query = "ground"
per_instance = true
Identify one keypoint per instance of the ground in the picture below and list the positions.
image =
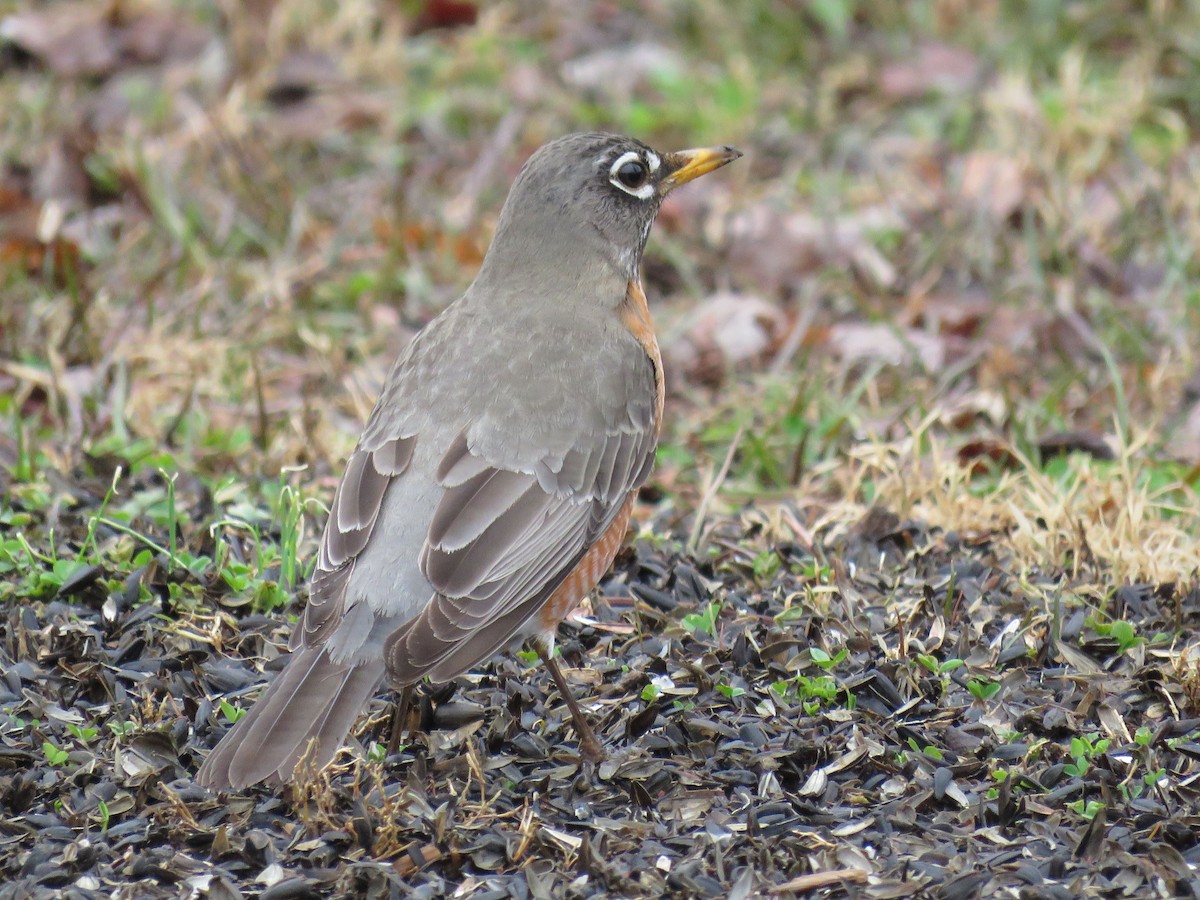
(910, 603)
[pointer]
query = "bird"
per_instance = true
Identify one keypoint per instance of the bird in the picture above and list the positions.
(493, 482)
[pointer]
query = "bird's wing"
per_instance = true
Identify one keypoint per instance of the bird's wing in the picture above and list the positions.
(528, 481)
(501, 541)
(370, 469)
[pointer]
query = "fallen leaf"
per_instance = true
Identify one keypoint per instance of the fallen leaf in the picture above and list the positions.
(61, 176)
(309, 118)
(156, 38)
(961, 413)
(1064, 442)
(777, 248)
(726, 331)
(465, 248)
(621, 71)
(961, 315)
(444, 14)
(93, 40)
(74, 40)
(932, 68)
(985, 455)
(300, 74)
(992, 182)
(28, 240)
(859, 341)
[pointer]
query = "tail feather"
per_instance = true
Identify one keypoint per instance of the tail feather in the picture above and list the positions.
(312, 698)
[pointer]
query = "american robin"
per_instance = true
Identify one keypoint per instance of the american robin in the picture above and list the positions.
(493, 482)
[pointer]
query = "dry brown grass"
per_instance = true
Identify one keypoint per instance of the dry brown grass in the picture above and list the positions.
(1102, 520)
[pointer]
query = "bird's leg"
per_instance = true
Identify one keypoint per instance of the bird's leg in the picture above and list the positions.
(399, 713)
(589, 747)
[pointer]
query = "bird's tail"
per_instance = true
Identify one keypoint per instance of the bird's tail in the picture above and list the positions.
(312, 698)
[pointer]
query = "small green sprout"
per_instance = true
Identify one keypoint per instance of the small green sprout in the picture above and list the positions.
(705, 620)
(1086, 810)
(983, 688)
(54, 754)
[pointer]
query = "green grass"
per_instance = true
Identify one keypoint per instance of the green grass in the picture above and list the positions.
(245, 287)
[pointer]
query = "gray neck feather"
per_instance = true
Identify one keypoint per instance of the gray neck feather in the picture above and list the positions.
(557, 258)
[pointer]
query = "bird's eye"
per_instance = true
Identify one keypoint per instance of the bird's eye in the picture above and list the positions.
(632, 174)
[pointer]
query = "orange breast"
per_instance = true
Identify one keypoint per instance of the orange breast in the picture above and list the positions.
(635, 314)
(593, 565)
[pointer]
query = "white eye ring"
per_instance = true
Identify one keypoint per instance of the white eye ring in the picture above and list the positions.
(642, 192)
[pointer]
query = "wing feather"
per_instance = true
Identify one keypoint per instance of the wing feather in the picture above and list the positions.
(487, 558)
(470, 509)
(352, 518)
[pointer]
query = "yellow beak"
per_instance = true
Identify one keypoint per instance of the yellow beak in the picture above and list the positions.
(691, 164)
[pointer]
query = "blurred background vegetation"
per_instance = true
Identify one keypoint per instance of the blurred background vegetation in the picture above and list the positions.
(963, 236)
